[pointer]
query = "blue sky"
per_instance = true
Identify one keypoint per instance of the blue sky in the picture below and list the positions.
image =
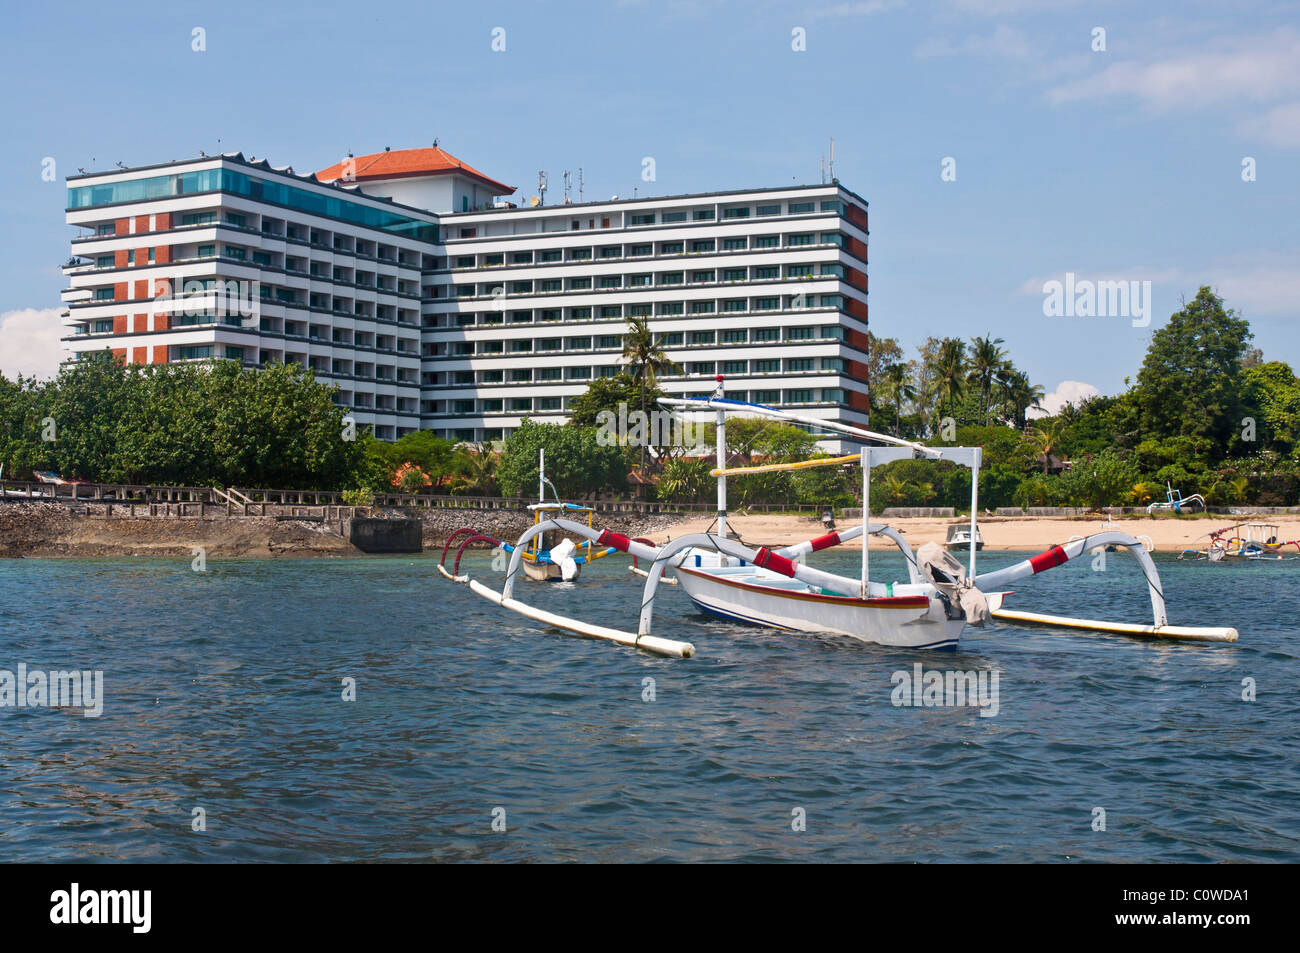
(1123, 163)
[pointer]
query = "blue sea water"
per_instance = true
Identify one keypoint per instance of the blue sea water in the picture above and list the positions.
(223, 691)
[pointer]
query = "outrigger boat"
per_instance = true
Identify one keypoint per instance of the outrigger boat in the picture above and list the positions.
(560, 563)
(775, 588)
(1250, 541)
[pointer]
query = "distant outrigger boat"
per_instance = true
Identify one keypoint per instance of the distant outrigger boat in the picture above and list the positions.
(1244, 541)
(960, 535)
(774, 588)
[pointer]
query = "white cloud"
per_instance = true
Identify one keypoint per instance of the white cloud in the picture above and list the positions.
(1280, 126)
(1067, 392)
(1253, 68)
(29, 342)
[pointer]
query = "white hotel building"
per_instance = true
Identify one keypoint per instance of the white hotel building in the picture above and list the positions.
(403, 279)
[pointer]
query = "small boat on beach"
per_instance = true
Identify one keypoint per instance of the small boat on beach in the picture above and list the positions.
(959, 535)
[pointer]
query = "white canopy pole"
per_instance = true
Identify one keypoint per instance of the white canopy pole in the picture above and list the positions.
(974, 506)
(866, 517)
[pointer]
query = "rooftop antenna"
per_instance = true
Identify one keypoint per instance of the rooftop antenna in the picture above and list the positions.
(832, 165)
(580, 183)
(542, 179)
(568, 184)
(822, 167)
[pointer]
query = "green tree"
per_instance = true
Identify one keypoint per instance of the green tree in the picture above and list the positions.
(646, 358)
(1191, 382)
(576, 462)
(987, 359)
(948, 373)
(897, 387)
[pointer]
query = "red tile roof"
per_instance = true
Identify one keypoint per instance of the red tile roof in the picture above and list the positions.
(410, 163)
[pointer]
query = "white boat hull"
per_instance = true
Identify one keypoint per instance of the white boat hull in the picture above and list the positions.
(759, 598)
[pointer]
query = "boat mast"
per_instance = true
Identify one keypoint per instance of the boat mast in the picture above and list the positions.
(974, 505)
(721, 452)
(866, 516)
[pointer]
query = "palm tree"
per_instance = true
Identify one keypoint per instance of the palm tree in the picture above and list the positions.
(949, 375)
(987, 359)
(1020, 395)
(897, 387)
(1046, 440)
(645, 358)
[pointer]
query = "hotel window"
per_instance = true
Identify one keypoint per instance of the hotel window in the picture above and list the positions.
(831, 268)
(489, 347)
(493, 261)
(465, 261)
(641, 250)
(767, 304)
(521, 258)
(609, 370)
(735, 336)
(552, 255)
(102, 327)
(671, 307)
(207, 251)
(520, 375)
(611, 281)
(106, 229)
(670, 248)
(832, 301)
(703, 337)
(703, 245)
(463, 406)
(579, 254)
(103, 294)
(767, 367)
(702, 307)
(702, 214)
(671, 278)
(735, 304)
(800, 334)
(799, 271)
(833, 331)
(611, 311)
(638, 310)
(193, 218)
(833, 206)
(799, 396)
(521, 316)
(104, 261)
(580, 314)
(735, 244)
(579, 373)
(550, 314)
(769, 210)
(673, 217)
(639, 281)
(259, 258)
(645, 218)
(735, 367)
(800, 364)
(577, 344)
(734, 274)
(194, 352)
(705, 276)
(491, 377)
(672, 339)
(521, 403)
(611, 251)
(767, 241)
(735, 213)
(609, 340)
(804, 239)
(550, 344)
(550, 373)
(550, 284)
(579, 284)
(767, 334)
(548, 403)
(521, 287)
(767, 272)
(833, 364)
(707, 367)
(464, 291)
(832, 238)
(801, 208)
(833, 395)
(766, 396)
(459, 349)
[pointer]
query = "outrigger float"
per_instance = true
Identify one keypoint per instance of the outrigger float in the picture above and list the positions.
(775, 588)
(1244, 541)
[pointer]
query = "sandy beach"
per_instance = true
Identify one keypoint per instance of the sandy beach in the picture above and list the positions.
(1022, 533)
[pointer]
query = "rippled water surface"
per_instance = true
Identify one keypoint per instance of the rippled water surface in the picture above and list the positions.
(222, 692)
